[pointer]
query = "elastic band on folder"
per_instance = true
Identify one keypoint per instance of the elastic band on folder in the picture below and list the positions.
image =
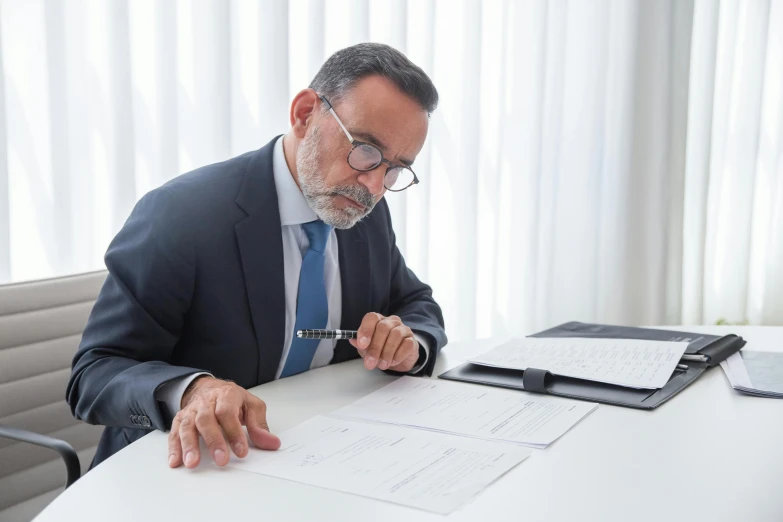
(534, 380)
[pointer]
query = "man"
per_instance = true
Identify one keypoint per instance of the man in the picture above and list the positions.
(213, 272)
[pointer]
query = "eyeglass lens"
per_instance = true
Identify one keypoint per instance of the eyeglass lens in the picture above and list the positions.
(366, 157)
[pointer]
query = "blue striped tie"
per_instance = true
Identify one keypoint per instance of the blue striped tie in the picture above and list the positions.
(312, 307)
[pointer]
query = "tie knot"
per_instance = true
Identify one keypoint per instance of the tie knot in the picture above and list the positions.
(317, 233)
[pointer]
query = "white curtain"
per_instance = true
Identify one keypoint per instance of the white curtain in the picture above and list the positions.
(616, 161)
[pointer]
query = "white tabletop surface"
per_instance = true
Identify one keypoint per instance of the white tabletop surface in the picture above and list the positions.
(709, 454)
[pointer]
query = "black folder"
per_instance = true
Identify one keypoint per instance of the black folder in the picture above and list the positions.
(703, 352)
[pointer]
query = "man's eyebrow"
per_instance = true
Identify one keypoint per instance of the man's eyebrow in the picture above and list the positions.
(370, 138)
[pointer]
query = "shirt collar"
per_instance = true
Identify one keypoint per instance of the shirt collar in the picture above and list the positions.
(294, 209)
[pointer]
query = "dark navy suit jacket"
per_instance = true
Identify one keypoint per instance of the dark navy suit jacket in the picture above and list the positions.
(196, 284)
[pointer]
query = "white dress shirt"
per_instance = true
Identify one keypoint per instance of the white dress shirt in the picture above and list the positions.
(294, 211)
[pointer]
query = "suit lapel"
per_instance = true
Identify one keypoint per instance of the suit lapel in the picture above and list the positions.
(261, 250)
(354, 255)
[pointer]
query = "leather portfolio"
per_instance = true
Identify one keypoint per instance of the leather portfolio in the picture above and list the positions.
(703, 352)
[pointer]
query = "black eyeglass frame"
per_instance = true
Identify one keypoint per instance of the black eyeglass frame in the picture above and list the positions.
(356, 143)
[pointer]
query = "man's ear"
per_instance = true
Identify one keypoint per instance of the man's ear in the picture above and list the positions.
(303, 108)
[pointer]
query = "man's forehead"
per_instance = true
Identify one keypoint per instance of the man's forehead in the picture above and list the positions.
(385, 117)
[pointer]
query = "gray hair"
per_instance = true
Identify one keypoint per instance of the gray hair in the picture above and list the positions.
(346, 67)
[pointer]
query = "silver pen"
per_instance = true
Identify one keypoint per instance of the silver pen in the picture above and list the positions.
(326, 334)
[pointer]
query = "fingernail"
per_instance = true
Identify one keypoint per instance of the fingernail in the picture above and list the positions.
(383, 365)
(364, 341)
(238, 447)
(190, 458)
(172, 459)
(369, 362)
(219, 455)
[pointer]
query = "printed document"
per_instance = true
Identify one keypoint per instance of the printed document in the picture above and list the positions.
(470, 410)
(436, 472)
(624, 362)
(756, 372)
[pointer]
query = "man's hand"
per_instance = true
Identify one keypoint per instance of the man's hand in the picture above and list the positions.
(216, 410)
(386, 343)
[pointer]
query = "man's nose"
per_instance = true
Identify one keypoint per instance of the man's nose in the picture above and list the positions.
(373, 180)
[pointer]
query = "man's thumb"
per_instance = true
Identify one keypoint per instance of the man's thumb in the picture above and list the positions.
(259, 432)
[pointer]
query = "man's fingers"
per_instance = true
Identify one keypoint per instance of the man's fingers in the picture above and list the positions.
(188, 436)
(227, 415)
(382, 330)
(408, 347)
(175, 446)
(216, 412)
(258, 429)
(367, 329)
(392, 346)
(209, 429)
(407, 355)
(355, 343)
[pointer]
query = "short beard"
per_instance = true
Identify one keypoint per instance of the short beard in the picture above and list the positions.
(319, 196)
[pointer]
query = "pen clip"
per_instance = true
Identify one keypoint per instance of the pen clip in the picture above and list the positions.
(695, 357)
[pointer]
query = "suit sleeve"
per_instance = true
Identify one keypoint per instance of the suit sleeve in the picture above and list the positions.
(137, 319)
(412, 301)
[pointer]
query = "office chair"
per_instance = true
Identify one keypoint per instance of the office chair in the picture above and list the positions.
(65, 450)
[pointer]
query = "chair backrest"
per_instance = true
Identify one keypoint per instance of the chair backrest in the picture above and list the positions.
(41, 324)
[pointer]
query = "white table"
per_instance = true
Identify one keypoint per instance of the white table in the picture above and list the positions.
(709, 454)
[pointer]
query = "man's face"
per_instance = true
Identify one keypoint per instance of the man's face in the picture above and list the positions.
(376, 112)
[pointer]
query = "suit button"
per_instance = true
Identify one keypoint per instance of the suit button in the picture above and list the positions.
(145, 421)
(133, 419)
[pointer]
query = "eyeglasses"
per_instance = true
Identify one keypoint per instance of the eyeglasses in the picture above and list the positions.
(365, 157)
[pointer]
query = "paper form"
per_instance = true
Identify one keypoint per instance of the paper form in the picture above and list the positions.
(756, 372)
(426, 470)
(624, 362)
(471, 410)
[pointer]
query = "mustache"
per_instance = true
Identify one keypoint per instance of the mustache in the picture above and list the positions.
(357, 193)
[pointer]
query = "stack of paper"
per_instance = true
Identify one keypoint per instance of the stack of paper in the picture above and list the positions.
(470, 410)
(756, 372)
(624, 362)
(431, 471)
(422, 443)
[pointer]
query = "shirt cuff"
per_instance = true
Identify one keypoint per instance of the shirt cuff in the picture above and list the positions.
(171, 393)
(422, 360)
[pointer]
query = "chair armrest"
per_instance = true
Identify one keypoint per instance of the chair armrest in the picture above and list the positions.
(65, 450)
